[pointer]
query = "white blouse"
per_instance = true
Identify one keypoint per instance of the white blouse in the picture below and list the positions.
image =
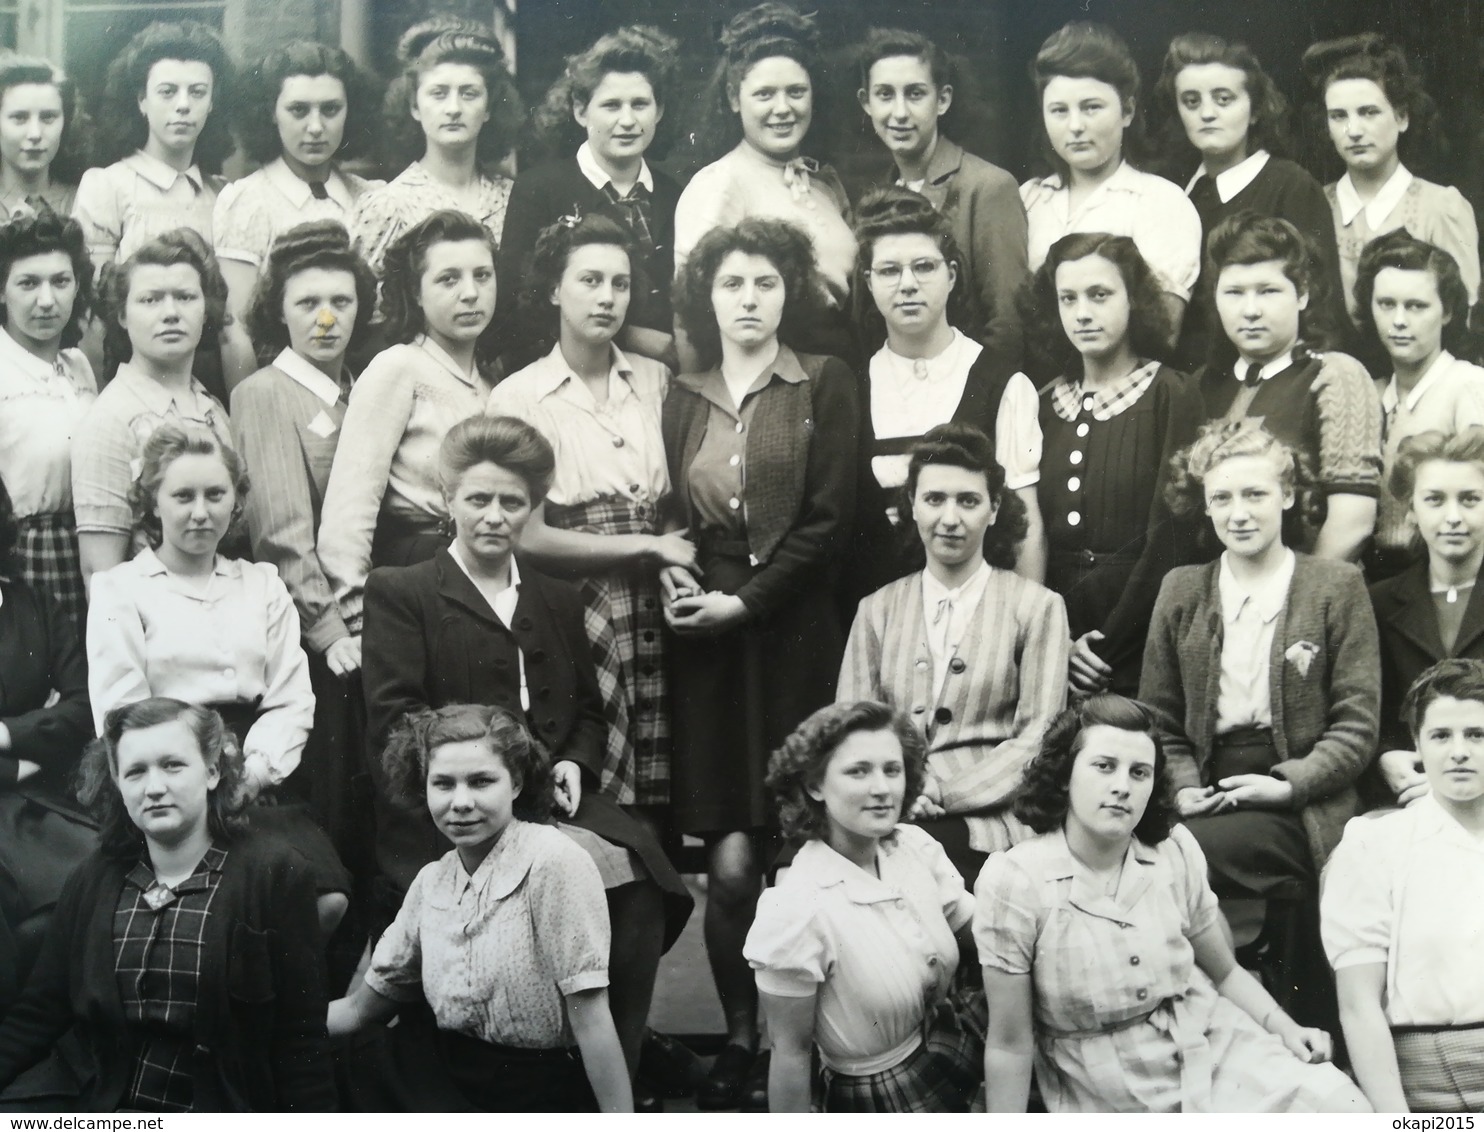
(41, 406)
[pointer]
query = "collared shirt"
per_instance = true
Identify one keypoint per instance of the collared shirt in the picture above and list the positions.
(1229, 182)
(1249, 612)
(108, 446)
(879, 952)
(1242, 371)
(948, 613)
(150, 633)
(1387, 198)
(600, 176)
(382, 214)
(1151, 211)
(494, 953)
(611, 450)
(1406, 888)
(1070, 400)
(502, 605)
(127, 204)
(57, 197)
(41, 407)
(252, 212)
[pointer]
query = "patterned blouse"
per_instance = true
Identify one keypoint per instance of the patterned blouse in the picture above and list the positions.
(383, 214)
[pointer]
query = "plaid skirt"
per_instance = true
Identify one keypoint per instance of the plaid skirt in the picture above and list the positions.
(943, 1074)
(1442, 1069)
(46, 550)
(626, 626)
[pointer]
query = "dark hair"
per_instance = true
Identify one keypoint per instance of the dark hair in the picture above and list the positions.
(123, 129)
(263, 83)
(10, 530)
(405, 260)
(1370, 56)
(507, 442)
(787, 247)
(635, 49)
(37, 235)
(168, 443)
(441, 40)
(799, 765)
(409, 753)
(901, 212)
(179, 245)
(99, 793)
(1463, 447)
(1086, 50)
(1403, 251)
(1456, 678)
(958, 445)
(72, 148)
(554, 247)
(1268, 126)
(1050, 353)
(1044, 799)
(320, 244)
(946, 70)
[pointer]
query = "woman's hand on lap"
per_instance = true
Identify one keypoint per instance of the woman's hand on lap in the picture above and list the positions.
(705, 614)
(344, 656)
(1257, 791)
(566, 786)
(1088, 672)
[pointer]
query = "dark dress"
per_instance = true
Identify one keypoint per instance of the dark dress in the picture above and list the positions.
(740, 693)
(1111, 535)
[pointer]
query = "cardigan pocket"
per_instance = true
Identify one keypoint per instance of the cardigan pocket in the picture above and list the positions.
(250, 965)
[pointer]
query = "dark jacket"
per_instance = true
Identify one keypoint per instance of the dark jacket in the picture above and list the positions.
(260, 1008)
(39, 654)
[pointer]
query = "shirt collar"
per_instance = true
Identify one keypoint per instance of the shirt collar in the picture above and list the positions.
(1381, 204)
(551, 372)
(440, 355)
(1267, 595)
(1061, 865)
(310, 377)
(160, 175)
(934, 591)
(457, 554)
(1269, 369)
(827, 868)
(16, 357)
(1107, 403)
(599, 177)
(149, 562)
(298, 192)
(159, 400)
(503, 867)
(1391, 397)
(1229, 182)
(786, 367)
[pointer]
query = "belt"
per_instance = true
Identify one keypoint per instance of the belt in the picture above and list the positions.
(1437, 1029)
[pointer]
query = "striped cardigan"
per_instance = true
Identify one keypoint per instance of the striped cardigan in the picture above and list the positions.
(994, 708)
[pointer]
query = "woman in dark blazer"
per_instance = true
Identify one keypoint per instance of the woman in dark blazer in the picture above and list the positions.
(242, 1028)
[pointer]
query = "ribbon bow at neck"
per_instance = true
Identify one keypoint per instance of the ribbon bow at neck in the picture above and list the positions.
(796, 174)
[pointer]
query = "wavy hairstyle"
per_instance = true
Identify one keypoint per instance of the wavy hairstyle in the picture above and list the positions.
(441, 40)
(1268, 126)
(1463, 447)
(1044, 800)
(1086, 50)
(1404, 252)
(1370, 56)
(38, 235)
(506, 442)
(179, 245)
(97, 774)
(168, 443)
(1050, 353)
(1456, 678)
(787, 247)
(407, 257)
(72, 150)
(123, 129)
(632, 50)
(262, 84)
(9, 532)
(418, 735)
(554, 246)
(946, 70)
(958, 445)
(322, 244)
(800, 764)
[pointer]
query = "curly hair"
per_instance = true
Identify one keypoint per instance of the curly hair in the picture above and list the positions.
(1226, 440)
(1267, 128)
(1086, 50)
(97, 774)
(554, 247)
(1370, 56)
(322, 244)
(406, 259)
(123, 129)
(262, 84)
(168, 443)
(179, 245)
(787, 247)
(1463, 447)
(1456, 678)
(417, 736)
(429, 44)
(800, 764)
(632, 50)
(1050, 352)
(1404, 252)
(9, 532)
(72, 149)
(1044, 800)
(958, 445)
(41, 234)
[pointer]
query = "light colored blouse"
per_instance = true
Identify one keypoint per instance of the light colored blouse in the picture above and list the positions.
(41, 407)
(493, 953)
(123, 206)
(254, 211)
(878, 952)
(382, 214)
(150, 633)
(1249, 614)
(608, 451)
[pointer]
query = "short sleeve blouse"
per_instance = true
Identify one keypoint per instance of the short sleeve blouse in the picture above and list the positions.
(382, 214)
(251, 213)
(41, 406)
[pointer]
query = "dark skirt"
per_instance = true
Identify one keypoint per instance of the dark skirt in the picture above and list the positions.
(1092, 586)
(739, 694)
(332, 777)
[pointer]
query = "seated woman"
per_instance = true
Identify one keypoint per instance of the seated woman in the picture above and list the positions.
(185, 621)
(1263, 669)
(972, 653)
(184, 953)
(1433, 610)
(841, 961)
(505, 936)
(1403, 914)
(1104, 960)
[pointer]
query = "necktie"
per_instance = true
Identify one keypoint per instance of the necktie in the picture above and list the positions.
(318, 191)
(634, 209)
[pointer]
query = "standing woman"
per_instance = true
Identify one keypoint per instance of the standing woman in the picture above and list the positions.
(41, 138)
(454, 114)
(1112, 419)
(601, 520)
(761, 102)
(762, 452)
(46, 388)
(160, 145)
(611, 99)
(1089, 87)
(1376, 107)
